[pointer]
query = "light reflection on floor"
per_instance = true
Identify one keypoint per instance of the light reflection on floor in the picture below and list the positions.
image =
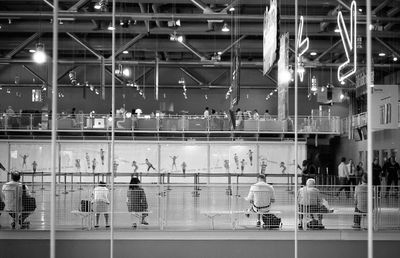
(183, 208)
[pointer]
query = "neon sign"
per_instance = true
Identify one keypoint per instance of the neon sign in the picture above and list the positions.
(303, 45)
(349, 43)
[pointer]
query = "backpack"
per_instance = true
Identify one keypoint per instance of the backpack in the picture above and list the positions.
(28, 202)
(314, 224)
(86, 206)
(271, 221)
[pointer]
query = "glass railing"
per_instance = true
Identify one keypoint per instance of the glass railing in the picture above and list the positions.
(170, 123)
(173, 207)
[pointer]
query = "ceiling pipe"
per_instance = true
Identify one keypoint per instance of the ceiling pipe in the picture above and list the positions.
(191, 75)
(182, 16)
(85, 45)
(23, 45)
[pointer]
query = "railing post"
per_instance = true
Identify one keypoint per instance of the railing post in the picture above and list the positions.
(31, 121)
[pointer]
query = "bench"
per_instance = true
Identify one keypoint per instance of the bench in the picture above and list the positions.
(339, 212)
(87, 218)
(233, 214)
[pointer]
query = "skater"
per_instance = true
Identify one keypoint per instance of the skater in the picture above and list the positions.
(115, 166)
(173, 162)
(250, 153)
(24, 157)
(263, 167)
(94, 163)
(34, 166)
(135, 167)
(87, 160)
(236, 158)
(283, 167)
(242, 165)
(78, 165)
(183, 168)
(149, 165)
(102, 156)
(226, 165)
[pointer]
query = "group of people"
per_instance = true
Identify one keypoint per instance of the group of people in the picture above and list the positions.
(309, 199)
(136, 202)
(351, 175)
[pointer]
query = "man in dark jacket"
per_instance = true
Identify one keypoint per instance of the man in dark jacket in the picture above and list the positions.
(391, 170)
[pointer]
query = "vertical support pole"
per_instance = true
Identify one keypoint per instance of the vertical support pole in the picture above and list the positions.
(8, 160)
(258, 159)
(208, 162)
(296, 249)
(369, 129)
(103, 77)
(156, 77)
(112, 128)
(159, 162)
(54, 134)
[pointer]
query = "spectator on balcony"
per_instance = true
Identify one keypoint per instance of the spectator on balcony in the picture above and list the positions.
(391, 170)
(343, 174)
(101, 202)
(136, 200)
(267, 116)
(359, 172)
(352, 174)
(256, 116)
(206, 113)
(376, 175)
(12, 193)
(360, 201)
(10, 111)
(261, 196)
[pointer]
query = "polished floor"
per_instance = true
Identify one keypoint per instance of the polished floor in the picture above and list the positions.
(187, 208)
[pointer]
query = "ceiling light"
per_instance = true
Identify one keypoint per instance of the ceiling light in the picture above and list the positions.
(32, 50)
(39, 56)
(360, 10)
(72, 77)
(343, 82)
(110, 27)
(382, 54)
(313, 53)
(225, 28)
(126, 72)
(232, 9)
(178, 23)
(314, 84)
(341, 96)
(337, 30)
(286, 75)
(395, 58)
(180, 39)
(125, 52)
(97, 91)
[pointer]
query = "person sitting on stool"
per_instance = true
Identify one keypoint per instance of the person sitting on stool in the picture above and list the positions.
(261, 195)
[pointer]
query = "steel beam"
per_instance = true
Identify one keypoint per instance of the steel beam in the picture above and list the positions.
(23, 45)
(49, 4)
(191, 49)
(66, 72)
(191, 75)
(388, 47)
(85, 45)
(233, 44)
(122, 81)
(344, 4)
(200, 5)
(218, 77)
(143, 11)
(182, 16)
(269, 77)
(327, 51)
(78, 5)
(233, 4)
(144, 74)
(128, 44)
(35, 74)
(381, 6)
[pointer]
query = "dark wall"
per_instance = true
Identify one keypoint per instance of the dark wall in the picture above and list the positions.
(195, 104)
(197, 249)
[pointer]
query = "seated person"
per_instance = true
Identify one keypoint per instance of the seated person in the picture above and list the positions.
(12, 196)
(261, 195)
(310, 201)
(101, 202)
(360, 200)
(136, 200)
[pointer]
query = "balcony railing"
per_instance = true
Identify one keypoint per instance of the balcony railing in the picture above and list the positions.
(170, 123)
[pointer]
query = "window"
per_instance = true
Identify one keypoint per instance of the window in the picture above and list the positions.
(36, 95)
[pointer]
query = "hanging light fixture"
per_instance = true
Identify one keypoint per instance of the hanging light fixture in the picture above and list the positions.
(225, 28)
(314, 84)
(39, 56)
(72, 77)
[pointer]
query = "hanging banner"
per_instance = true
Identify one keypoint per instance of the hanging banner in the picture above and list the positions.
(361, 81)
(270, 32)
(235, 77)
(349, 40)
(385, 109)
(283, 83)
